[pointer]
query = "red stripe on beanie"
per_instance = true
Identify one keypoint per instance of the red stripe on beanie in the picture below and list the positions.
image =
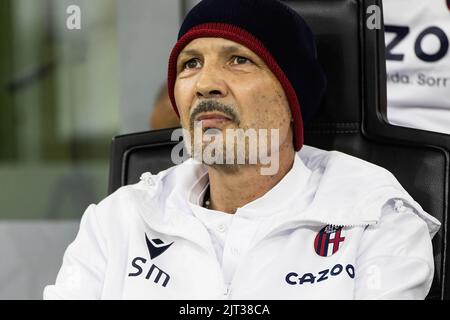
(236, 34)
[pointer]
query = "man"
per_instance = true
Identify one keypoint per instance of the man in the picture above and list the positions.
(324, 225)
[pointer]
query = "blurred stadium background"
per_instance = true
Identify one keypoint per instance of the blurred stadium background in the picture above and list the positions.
(63, 95)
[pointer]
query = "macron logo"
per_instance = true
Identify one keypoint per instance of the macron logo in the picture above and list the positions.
(156, 247)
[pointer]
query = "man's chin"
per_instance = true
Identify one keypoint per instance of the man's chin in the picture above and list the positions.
(212, 131)
(228, 168)
(222, 163)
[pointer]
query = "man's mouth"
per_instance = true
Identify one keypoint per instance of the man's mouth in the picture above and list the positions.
(212, 120)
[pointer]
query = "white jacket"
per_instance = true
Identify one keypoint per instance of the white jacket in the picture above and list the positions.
(335, 227)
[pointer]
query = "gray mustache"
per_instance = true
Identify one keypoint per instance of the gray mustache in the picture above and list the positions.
(210, 106)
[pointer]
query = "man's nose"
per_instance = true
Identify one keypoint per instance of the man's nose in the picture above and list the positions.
(210, 83)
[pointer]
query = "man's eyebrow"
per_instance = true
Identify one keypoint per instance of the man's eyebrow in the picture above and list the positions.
(232, 49)
(189, 52)
(224, 50)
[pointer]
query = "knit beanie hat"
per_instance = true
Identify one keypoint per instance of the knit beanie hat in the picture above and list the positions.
(273, 31)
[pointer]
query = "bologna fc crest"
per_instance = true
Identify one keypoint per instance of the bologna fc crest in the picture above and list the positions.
(328, 240)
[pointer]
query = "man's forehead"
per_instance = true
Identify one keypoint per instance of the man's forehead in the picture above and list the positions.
(200, 45)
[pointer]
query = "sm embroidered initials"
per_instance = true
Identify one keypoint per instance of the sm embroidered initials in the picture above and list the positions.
(155, 248)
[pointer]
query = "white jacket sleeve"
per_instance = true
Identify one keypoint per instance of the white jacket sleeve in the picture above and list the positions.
(395, 258)
(84, 263)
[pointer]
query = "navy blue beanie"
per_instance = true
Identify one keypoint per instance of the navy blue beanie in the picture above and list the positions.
(276, 33)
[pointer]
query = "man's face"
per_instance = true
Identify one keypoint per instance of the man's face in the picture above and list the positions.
(221, 84)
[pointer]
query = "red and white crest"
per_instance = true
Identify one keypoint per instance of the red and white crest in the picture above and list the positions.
(328, 240)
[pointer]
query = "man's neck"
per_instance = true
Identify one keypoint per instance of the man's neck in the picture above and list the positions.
(231, 190)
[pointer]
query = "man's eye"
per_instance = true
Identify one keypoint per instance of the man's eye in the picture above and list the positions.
(241, 60)
(193, 63)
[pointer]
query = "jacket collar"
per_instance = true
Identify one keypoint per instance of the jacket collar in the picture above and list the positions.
(343, 191)
(280, 198)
